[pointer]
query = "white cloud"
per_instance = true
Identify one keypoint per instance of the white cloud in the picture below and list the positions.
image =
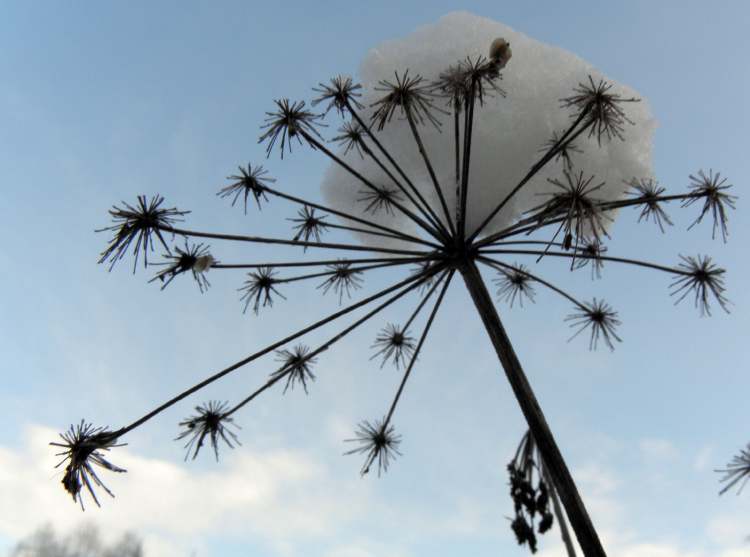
(703, 459)
(657, 449)
(268, 496)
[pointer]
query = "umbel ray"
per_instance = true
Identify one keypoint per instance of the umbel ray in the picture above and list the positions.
(570, 221)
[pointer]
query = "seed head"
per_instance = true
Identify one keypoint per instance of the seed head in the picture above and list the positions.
(309, 226)
(393, 344)
(82, 446)
(211, 422)
(603, 109)
(351, 136)
(194, 258)
(290, 120)
(337, 93)
(259, 288)
(514, 283)
(342, 280)
(378, 442)
(252, 181)
(738, 470)
(138, 225)
(700, 276)
(600, 319)
(409, 96)
(382, 198)
(715, 200)
(648, 191)
(296, 366)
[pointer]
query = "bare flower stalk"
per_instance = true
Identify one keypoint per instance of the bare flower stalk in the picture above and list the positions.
(570, 224)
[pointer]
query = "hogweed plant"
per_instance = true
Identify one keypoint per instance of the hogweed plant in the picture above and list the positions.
(420, 227)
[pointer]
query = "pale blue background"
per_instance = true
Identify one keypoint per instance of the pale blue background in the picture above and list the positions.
(100, 102)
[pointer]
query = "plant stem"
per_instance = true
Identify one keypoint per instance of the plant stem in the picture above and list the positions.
(559, 515)
(579, 518)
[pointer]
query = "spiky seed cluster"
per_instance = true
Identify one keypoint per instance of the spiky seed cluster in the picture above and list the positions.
(582, 219)
(351, 136)
(514, 284)
(648, 191)
(289, 120)
(604, 113)
(138, 225)
(591, 254)
(340, 91)
(600, 319)
(378, 441)
(529, 502)
(296, 366)
(309, 226)
(410, 96)
(738, 470)
(381, 198)
(716, 201)
(393, 343)
(259, 288)
(250, 181)
(212, 422)
(455, 84)
(564, 150)
(82, 446)
(704, 279)
(195, 258)
(342, 280)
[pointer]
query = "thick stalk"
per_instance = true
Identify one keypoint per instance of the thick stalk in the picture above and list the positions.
(579, 518)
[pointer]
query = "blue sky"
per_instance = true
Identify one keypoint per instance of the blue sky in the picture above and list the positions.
(100, 103)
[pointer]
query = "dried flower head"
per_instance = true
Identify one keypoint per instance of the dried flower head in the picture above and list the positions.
(259, 289)
(514, 283)
(342, 279)
(82, 446)
(309, 226)
(648, 191)
(452, 84)
(479, 75)
(704, 279)
(582, 219)
(290, 120)
(411, 96)
(253, 181)
(603, 109)
(564, 150)
(381, 198)
(351, 136)
(591, 254)
(530, 502)
(379, 442)
(738, 470)
(194, 258)
(715, 199)
(138, 225)
(338, 93)
(393, 344)
(500, 52)
(600, 318)
(296, 366)
(212, 422)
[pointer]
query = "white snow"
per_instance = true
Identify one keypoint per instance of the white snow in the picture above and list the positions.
(508, 132)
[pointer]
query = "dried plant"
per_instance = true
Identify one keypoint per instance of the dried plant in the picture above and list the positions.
(737, 471)
(442, 246)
